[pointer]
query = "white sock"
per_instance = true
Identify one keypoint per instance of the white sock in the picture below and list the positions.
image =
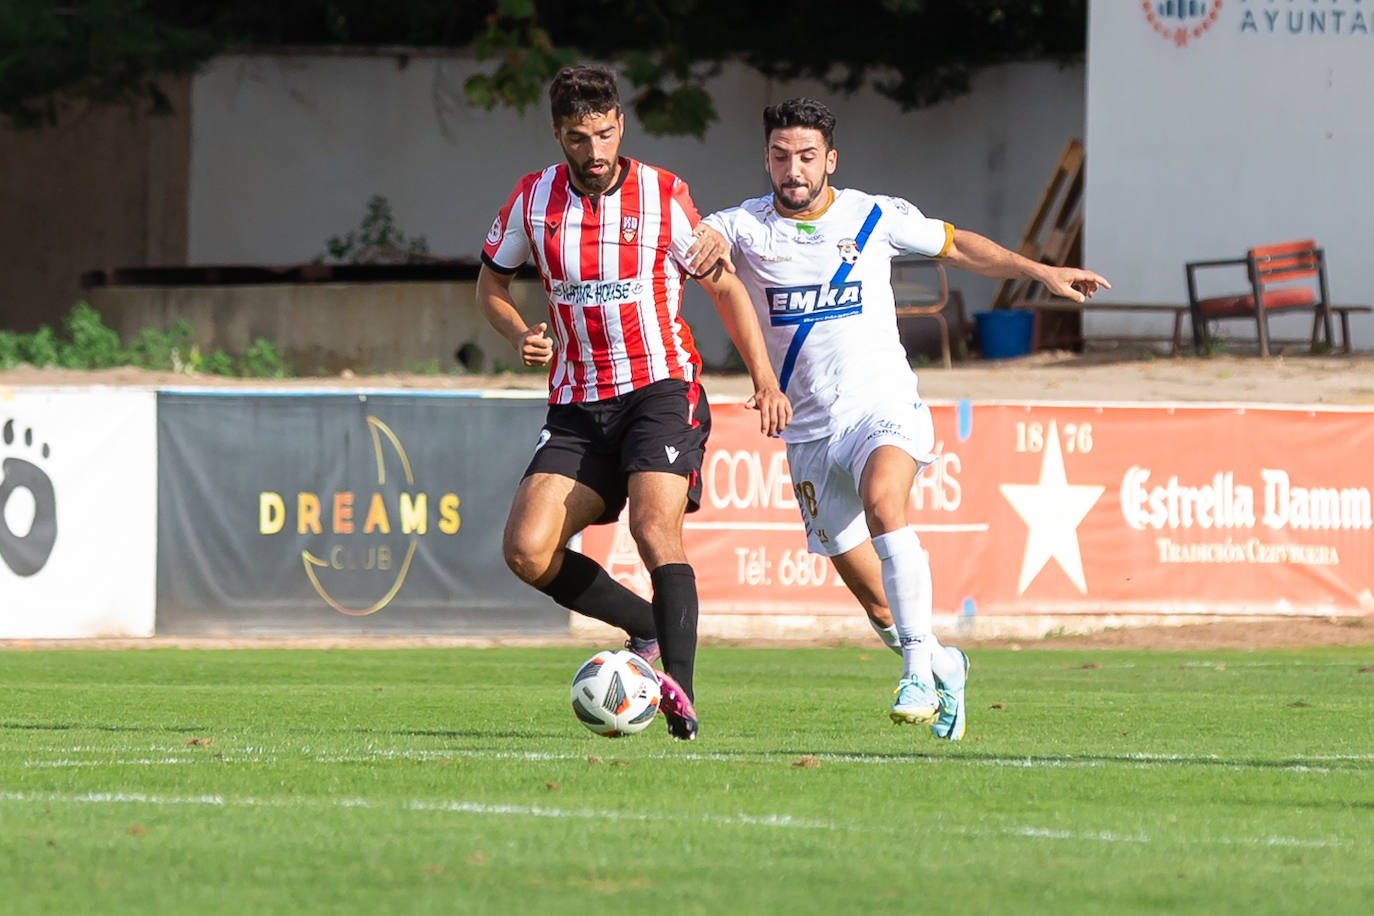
(906, 584)
(946, 666)
(888, 635)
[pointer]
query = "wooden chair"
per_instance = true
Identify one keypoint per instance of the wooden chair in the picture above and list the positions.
(1282, 277)
(915, 299)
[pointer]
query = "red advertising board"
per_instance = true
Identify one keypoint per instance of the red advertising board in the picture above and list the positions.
(1063, 508)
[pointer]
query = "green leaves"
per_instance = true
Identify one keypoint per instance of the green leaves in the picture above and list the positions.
(914, 52)
(528, 59)
(87, 343)
(684, 110)
(102, 51)
(376, 240)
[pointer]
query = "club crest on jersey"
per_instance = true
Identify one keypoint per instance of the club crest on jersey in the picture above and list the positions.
(629, 228)
(494, 235)
(849, 251)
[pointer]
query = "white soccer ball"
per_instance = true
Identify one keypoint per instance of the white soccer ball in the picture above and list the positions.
(615, 693)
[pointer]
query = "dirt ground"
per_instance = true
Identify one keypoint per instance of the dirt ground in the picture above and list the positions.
(1106, 375)
(1117, 374)
(1240, 634)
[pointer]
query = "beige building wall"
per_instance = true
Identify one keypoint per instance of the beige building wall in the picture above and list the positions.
(288, 148)
(106, 187)
(268, 156)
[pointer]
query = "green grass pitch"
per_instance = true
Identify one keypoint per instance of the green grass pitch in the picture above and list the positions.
(458, 781)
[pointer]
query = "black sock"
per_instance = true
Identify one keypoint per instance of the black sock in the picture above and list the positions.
(582, 585)
(675, 616)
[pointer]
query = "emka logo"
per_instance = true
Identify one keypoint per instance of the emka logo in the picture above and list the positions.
(362, 541)
(1181, 21)
(805, 304)
(28, 501)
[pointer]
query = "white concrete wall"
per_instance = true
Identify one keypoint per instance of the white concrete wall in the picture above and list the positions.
(287, 150)
(1254, 126)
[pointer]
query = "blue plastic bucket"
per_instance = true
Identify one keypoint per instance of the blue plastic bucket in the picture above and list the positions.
(1004, 333)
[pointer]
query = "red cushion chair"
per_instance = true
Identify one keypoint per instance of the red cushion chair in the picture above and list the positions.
(1282, 277)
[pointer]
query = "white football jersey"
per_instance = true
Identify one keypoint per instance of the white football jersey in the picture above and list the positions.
(823, 291)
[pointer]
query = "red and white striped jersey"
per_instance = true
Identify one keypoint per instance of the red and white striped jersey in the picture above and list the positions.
(613, 268)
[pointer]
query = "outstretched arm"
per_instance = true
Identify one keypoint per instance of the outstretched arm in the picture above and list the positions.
(742, 324)
(493, 295)
(973, 252)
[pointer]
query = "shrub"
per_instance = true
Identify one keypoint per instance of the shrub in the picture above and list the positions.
(88, 344)
(10, 349)
(167, 350)
(376, 240)
(40, 348)
(262, 359)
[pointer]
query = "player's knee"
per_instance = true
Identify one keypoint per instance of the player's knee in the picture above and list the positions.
(528, 560)
(658, 541)
(884, 515)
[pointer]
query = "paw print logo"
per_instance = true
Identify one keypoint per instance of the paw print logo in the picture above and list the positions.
(28, 506)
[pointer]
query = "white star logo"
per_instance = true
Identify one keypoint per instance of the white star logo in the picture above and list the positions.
(1051, 510)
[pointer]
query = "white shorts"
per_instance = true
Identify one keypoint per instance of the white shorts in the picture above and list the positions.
(826, 472)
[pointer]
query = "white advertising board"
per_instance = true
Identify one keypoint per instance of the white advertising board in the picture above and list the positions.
(78, 513)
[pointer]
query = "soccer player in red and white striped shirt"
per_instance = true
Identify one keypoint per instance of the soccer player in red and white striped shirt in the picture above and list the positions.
(628, 419)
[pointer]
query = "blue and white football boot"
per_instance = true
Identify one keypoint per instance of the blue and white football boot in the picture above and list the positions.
(949, 722)
(916, 702)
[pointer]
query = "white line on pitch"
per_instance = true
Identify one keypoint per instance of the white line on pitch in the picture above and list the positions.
(1291, 664)
(786, 821)
(1137, 760)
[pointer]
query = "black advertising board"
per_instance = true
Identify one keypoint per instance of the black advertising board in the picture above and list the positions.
(358, 513)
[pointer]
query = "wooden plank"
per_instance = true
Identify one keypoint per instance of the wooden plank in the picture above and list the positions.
(1060, 244)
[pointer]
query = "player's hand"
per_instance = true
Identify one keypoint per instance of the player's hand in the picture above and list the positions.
(1075, 283)
(708, 248)
(775, 411)
(536, 347)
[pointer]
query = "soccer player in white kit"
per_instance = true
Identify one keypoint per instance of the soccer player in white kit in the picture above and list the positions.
(817, 263)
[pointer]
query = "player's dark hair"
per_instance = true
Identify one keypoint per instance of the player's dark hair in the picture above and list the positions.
(800, 112)
(582, 90)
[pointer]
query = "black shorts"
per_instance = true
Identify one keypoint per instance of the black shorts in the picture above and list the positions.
(660, 427)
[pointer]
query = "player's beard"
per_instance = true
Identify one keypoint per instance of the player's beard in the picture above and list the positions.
(799, 197)
(591, 182)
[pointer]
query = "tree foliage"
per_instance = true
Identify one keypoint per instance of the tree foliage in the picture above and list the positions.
(98, 50)
(915, 52)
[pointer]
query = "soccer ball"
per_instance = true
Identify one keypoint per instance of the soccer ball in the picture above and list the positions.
(615, 693)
